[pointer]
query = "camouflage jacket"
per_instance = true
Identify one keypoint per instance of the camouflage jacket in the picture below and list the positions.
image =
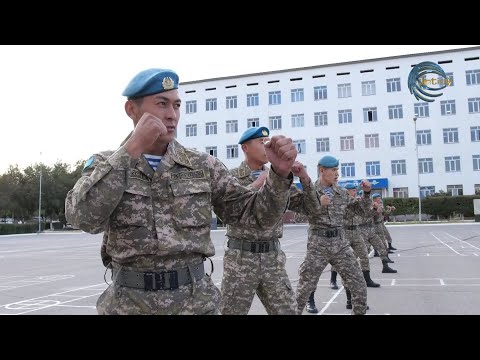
(333, 215)
(153, 214)
(254, 232)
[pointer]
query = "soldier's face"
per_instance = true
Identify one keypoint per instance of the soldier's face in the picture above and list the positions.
(329, 175)
(352, 192)
(165, 106)
(255, 150)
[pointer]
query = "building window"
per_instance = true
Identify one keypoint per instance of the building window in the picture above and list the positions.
(452, 164)
(476, 162)
(232, 126)
(211, 128)
(448, 107)
(191, 107)
(368, 88)
(274, 98)
(344, 116)
(424, 137)
(397, 139)
(425, 166)
(393, 85)
(301, 146)
(212, 150)
(450, 78)
(421, 110)
(346, 143)
(473, 105)
(275, 122)
(231, 102)
(475, 133)
(252, 100)
(373, 168)
(370, 114)
(211, 104)
(344, 90)
(399, 167)
(191, 130)
(426, 191)
(348, 169)
(372, 141)
(323, 145)
(473, 77)
(298, 120)
(297, 95)
(450, 136)
(232, 151)
(477, 189)
(321, 118)
(395, 112)
(400, 192)
(455, 190)
(255, 122)
(320, 92)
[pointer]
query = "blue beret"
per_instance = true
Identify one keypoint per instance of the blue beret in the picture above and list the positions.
(374, 196)
(328, 162)
(253, 133)
(151, 81)
(350, 186)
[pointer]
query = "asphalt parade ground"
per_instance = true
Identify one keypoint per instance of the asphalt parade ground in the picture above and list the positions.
(61, 273)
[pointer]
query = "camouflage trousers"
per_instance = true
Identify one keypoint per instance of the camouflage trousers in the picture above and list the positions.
(381, 234)
(246, 274)
(336, 251)
(386, 233)
(371, 237)
(199, 298)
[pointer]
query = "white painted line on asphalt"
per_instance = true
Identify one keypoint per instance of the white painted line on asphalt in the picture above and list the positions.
(466, 242)
(329, 302)
(392, 283)
(77, 306)
(475, 254)
(442, 282)
(455, 251)
(428, 254)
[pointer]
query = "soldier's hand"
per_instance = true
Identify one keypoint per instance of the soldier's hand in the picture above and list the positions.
(299, 170)
(281, 152)
(325, 200)
(258, 183)
(146, 132)
(366, 186)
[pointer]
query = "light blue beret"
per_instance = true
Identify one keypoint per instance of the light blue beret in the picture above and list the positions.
(151, 81)
(374, 196)
(253, 133)
(328, 162)
(350, 186)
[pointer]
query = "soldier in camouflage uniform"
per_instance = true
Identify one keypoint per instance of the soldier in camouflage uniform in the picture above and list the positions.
(353, 218)
(153, 198)
(254, 262)
(326, 237)
(387, 211)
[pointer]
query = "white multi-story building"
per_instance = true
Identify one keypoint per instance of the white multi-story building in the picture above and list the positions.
(361, 112)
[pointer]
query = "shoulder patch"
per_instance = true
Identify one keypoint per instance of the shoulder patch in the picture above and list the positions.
(89, 163)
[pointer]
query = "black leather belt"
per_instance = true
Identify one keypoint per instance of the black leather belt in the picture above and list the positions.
(351, 227)
(252, 246)
(327, 233)
(152, 281)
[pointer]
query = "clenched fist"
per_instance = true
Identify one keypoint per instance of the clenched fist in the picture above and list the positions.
(281, 152)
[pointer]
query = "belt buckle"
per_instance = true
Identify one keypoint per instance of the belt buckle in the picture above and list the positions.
(152, 281)
(169, 280)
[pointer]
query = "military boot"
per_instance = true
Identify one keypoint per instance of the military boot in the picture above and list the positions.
(311, 308)
(375, 254)
(333, 281)
(349, 300)
(386, 268)
(390, 247)
(368, 279)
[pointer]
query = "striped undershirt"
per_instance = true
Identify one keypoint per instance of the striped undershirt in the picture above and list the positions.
(153, 160)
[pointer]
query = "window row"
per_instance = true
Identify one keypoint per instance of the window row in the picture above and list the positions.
(319, 93)
(454, 190)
